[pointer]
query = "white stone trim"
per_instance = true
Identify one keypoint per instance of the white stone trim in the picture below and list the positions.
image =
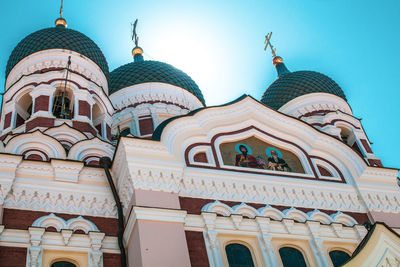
(314, 102)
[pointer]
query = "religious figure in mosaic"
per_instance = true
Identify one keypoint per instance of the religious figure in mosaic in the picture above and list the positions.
(275, 161)
(244, 159)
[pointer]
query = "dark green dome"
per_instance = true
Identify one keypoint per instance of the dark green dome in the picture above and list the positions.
(57, 38)
(294, 84)
(152, 71)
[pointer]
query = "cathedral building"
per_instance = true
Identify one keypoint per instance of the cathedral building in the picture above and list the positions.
(131, 168)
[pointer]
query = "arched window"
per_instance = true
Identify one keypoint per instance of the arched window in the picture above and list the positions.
(345, 134)
(23, 109)
(63, 104)
(239, 256)
(338, 257)
(292, 257)
(63, 264)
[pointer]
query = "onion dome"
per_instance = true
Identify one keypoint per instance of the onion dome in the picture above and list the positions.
(146, 71)
(290, 85)
(58, 37)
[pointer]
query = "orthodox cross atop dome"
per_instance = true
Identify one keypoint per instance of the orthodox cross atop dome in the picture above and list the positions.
(61, 22)
(277, 60)
(268, 43)
(137, 52)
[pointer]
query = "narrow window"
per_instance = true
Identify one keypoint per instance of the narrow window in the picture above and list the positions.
(338, 257)
(239, 256)
(292, 257)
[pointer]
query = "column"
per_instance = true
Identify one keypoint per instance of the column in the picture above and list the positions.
(264, 239)
(316, 244)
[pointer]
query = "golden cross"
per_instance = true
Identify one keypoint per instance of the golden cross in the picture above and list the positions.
(135, 37)
(268, 43)
(61, 8)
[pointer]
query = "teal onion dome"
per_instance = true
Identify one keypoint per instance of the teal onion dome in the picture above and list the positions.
(146, 71)
(290, 85)
(57, 38)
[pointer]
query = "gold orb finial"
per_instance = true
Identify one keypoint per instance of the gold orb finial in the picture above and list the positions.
(277, 60)
(61, 22)
(137, 51)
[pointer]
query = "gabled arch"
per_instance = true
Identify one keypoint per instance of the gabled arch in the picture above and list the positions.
(90, 149)
(245, 210)
(35, 141)
(65, 133)
(295, 214)
(344, 219)
(51, 220)
(271, 212)
(78, 223)
(319, 216)
(218, 208)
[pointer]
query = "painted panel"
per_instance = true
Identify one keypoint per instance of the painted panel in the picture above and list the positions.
(254, 153)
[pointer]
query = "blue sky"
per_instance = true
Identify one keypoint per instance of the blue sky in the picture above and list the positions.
(220, 45)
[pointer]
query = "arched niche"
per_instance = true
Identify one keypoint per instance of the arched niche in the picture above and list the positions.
(23, 109)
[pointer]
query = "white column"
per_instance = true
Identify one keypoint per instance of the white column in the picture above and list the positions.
(95, 255)
(35, 250)
(211, 240)
(316, 244)
(264, 239)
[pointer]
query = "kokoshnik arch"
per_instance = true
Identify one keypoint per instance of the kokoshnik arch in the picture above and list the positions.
(290, 178)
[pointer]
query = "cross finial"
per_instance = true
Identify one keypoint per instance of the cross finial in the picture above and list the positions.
(268, 43)
(135, 37)
(61, 8)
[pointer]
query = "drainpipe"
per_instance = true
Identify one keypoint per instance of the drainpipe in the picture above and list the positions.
(105, 162)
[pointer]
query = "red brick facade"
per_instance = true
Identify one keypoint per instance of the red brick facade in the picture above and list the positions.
(146, 126)
(197, 249)
(84, 108)
(19, 121)
(84, 127)
(7, 120)
(42, 103)
(111, 260)
(200, 157)
(12, 257)
(108, 128)
(194, 205)
(323, 171)
(366, 146)
(22, 219)
(39, 122)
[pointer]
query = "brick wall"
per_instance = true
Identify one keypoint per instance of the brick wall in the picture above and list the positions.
(22, 219)
(39, 122)
(19, 121)
(84, 108)
(12, 257)
(7, 120)
(197, 249)
(146, 126)
(42, 103)
(84, 127)
(112, 260)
